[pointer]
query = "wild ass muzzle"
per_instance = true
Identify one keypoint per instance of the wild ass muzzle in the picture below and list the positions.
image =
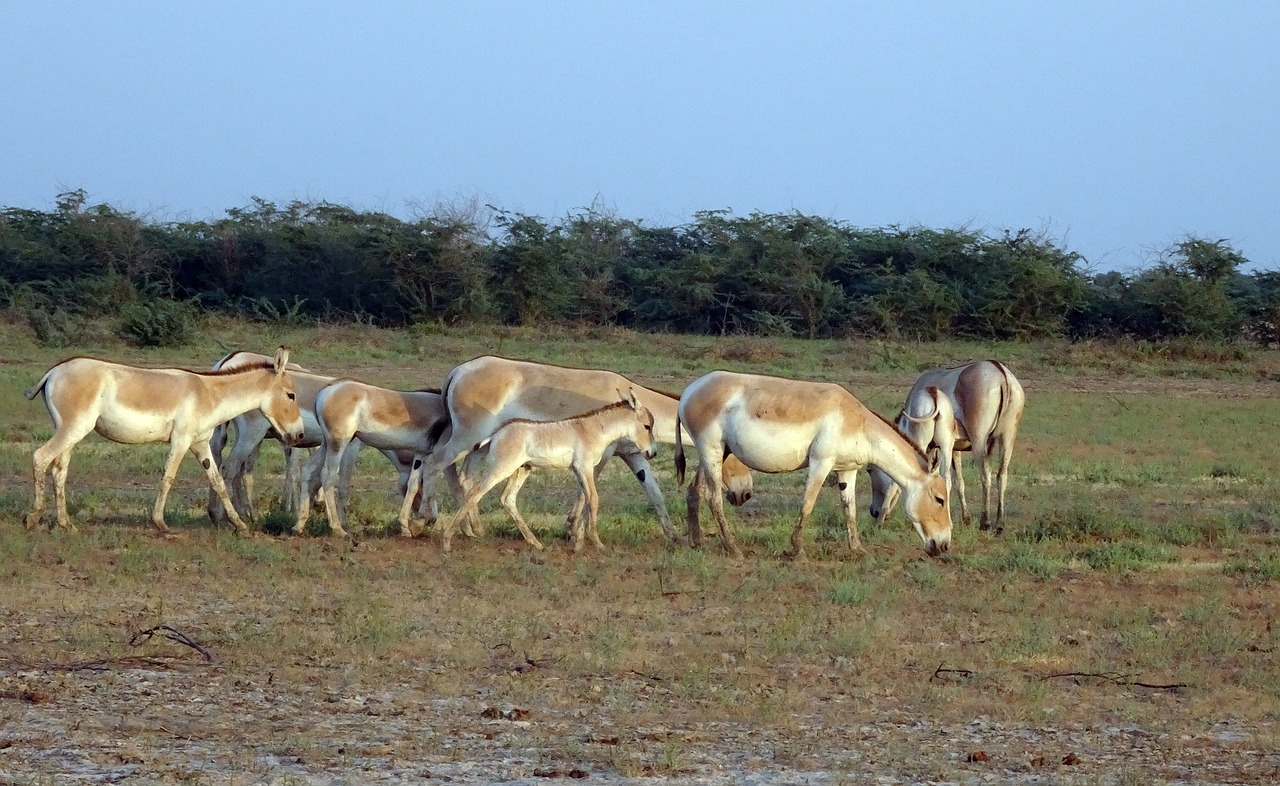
(773, 424)
(483, 393)
(135, 406)
(578, 443)
(978, 407)
(351, 414)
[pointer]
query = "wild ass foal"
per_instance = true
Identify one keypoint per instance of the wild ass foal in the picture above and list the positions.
(974, 407)
(483, 393)
(579, 443)
(351, 413)
(141, 405)
(774, 424)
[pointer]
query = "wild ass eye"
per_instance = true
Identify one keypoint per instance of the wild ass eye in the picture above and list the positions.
(292, 397)
(938, 499)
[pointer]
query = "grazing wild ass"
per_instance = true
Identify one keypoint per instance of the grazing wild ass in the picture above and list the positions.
(984, 403)
(774, 424)
(579, 442)
(142, 405)
(237, 471)
(352, 413)
(482, 394)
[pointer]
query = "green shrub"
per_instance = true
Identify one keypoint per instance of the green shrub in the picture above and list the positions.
(157, 322)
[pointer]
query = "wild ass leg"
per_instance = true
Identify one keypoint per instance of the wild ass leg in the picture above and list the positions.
(587, 488)
(41, 464)
(312, 480)
(498, 472)
(295, 461)
(176, 452)
(1002, 480)
(644, 473)
(60, 466)
(239, 465)
(958, 475)
(66, 436)
(817, 475)
(845, 481)
(693, 504)
(709, 466)
(217, 444)
(329, 476)
(983, 461)
(454, 481)
(200, 449)
(508, 499)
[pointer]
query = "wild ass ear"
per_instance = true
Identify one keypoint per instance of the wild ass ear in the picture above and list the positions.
(282, 360)
(935, 459)
(631, 398)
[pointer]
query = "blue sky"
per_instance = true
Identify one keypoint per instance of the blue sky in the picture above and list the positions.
(1117, 128)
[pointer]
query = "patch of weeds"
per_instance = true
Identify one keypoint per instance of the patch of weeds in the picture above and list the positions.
(795, 634)
(1023, 558)
(256, 551)
(1076, 523)
(1126, 556)
(1255, 571)
(851, 641)
(1227, 469)
(684, 569)
(609, 641)
(852, 591)
(279, 522)
(925, 574)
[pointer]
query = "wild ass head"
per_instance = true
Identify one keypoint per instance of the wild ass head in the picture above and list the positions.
(641, 431)
(280, 402)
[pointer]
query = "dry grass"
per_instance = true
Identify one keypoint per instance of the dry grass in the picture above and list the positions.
(1142, 550)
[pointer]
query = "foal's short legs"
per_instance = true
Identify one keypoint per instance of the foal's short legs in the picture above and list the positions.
(508, 499)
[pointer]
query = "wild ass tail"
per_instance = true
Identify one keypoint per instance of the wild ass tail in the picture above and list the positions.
(679, 454)
(444, 421)
(31, 393)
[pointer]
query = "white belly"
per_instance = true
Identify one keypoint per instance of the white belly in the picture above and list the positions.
(769, 447)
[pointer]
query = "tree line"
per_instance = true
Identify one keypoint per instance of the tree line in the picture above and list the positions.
(769, 274)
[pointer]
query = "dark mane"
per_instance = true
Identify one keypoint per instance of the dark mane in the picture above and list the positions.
(592, 413)
(898, 431)
(667, 393)
(203, 373)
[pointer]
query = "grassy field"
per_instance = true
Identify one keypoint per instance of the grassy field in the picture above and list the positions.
(1120, 631)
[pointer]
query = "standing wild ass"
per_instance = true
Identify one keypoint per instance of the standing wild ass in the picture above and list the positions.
(251, 429)
(142, 405)
(482, 394)
(579, 442)
(979, 409)
(352, 413)
(774, 424)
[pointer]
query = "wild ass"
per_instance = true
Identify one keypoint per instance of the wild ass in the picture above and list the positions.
(984, 402)
(483, 393)
(142, 405)
(774, 424)
(251, 429)
(580, 442)
(352, 413)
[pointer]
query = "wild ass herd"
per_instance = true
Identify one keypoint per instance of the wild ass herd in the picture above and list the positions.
(495, 419)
